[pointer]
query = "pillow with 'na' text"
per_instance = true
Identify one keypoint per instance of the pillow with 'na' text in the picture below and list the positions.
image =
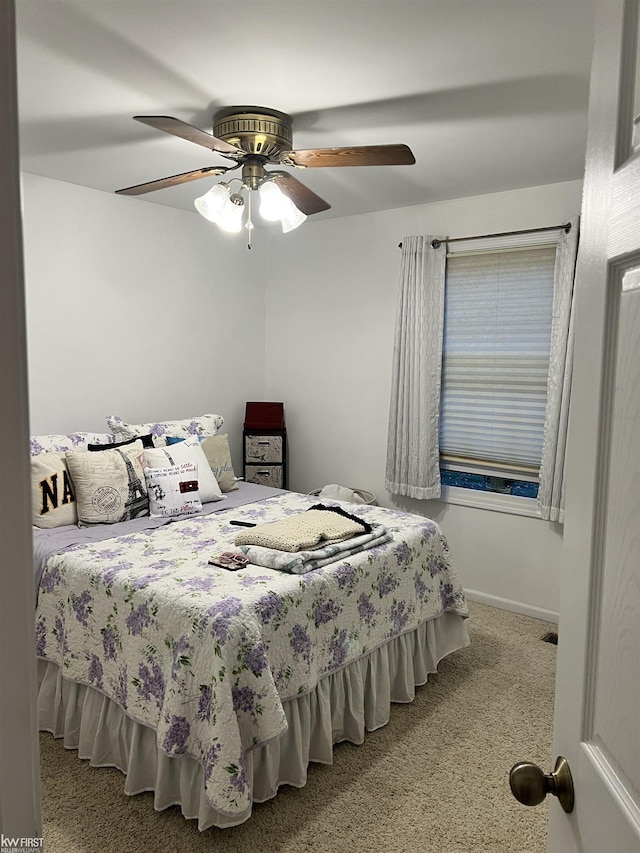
(53, 499)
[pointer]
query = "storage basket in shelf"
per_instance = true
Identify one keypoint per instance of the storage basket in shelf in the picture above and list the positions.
(367, 497)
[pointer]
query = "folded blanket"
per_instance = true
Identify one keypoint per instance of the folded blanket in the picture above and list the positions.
(305, 530)
(301, 562)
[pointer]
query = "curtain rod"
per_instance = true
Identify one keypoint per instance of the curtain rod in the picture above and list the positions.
(437, 243)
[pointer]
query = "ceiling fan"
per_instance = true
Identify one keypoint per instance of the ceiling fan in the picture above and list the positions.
(253, 137)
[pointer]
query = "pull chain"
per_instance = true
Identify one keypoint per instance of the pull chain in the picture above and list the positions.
(249, 223)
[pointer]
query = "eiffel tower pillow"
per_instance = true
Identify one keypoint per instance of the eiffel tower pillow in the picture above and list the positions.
(109, 485)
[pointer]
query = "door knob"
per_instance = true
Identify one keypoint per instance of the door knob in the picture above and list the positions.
(530, 785)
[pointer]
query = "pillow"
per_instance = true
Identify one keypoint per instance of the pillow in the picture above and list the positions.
(173, 490)
(109, 486)
(53, 501)
(72, 441)
(216, 449)
(201, 425)
(187, 451)
(147, 441)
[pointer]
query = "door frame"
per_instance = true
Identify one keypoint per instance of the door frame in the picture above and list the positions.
(19, 759)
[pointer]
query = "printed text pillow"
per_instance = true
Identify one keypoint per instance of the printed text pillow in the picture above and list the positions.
(173, 490)
(188, 450)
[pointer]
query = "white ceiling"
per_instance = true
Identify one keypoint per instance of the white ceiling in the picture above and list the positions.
(489, 94)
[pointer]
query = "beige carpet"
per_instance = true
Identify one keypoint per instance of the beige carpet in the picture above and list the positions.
(434, 779)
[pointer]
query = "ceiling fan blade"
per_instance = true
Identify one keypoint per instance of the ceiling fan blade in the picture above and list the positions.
(173, 181)
(176, 127)
(359, 155)
(303, 198)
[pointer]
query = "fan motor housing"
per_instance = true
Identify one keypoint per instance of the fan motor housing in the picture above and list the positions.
(259, 131)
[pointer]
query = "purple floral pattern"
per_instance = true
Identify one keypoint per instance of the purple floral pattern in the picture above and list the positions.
(139, 619)
(326, 611)
(95, 672)
(366, 609)
(82, 606)
(207, 657)
(202, 426)
(41, 638)
(175, 740)
(51, 580)
(109, 643)
(300, 643)
(73, 441)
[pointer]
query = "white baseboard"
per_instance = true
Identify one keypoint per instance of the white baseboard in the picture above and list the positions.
(513, 606)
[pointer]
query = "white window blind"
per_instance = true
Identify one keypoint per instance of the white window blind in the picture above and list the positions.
(497, 330)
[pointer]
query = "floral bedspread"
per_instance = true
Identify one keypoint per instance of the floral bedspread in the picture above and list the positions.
(206, 656)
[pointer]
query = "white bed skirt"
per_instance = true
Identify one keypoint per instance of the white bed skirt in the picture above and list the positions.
(343, 706)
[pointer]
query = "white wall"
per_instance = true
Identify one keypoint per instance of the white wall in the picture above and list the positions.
(106, 275)
(138, 310)
(330, 315)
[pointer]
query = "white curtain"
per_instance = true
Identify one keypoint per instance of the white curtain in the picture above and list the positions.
(413, 452)
(551, 491)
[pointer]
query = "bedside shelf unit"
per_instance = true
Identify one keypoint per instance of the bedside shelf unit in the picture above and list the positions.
(264, 459)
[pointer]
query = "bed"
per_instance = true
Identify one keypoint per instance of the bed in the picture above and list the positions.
(212, 688)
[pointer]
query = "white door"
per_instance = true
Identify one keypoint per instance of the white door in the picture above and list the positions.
(597, 722)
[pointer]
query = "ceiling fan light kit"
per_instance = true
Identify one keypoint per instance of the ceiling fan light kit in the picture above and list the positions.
(253, 137)
(271, 202)
(211, 204)
(222, 207)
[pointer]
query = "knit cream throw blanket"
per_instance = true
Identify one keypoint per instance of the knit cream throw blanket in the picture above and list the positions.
(305, 530)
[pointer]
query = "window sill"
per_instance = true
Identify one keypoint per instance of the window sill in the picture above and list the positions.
(513, 504)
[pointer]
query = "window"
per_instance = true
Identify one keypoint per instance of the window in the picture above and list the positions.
(497, 331)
